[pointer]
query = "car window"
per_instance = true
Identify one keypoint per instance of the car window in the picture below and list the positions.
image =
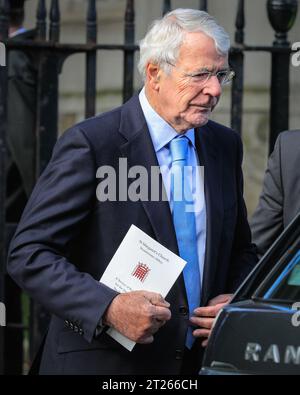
(287, 284)
(269, 279)
(283, 282)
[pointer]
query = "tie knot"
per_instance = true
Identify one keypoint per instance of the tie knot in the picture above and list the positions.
(178, 148)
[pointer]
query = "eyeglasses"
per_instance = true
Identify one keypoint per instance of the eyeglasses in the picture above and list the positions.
(224, 76)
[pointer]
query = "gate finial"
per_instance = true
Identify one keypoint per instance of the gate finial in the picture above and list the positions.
(91, 22)
(282, 15)
(54, 21)
(41, 20)
(240, 23)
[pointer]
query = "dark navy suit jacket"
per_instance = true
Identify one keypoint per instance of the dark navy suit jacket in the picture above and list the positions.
(279, 201)
(66, 239)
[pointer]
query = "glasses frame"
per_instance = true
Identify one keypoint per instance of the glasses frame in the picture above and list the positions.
(230, 74)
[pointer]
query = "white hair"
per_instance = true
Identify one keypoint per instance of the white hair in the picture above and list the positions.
(163, 40)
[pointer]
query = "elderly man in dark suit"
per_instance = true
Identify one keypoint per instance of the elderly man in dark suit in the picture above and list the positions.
(68, 235)
(279, 201)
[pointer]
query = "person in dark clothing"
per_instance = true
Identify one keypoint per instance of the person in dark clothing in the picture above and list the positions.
(279, 202)
(20, 165)
(67, 236)
(21, 118)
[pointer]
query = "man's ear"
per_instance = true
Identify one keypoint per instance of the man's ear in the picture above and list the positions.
(153, 73)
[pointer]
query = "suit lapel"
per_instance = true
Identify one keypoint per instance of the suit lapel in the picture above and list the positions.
(139, 151)
(210, 157)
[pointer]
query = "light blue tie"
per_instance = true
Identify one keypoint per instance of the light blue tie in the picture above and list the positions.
(185, 225)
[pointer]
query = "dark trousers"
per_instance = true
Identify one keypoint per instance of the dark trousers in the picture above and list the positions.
(192, 359)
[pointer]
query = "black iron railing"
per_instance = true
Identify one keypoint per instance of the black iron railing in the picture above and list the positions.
(49, 55)
(3, 95)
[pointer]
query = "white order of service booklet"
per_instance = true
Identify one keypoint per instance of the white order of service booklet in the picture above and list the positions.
(141, 263)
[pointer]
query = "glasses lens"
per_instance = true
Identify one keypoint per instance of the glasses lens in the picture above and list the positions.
(201, 77)
(225, 76)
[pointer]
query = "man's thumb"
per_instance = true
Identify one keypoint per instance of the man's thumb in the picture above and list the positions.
(158, 300)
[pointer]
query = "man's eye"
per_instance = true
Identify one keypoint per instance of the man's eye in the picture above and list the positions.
(201, 76)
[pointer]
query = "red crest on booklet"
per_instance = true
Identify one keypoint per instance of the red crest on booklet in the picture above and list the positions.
(141, 271)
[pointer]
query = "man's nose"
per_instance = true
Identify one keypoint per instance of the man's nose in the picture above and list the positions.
(213, 87)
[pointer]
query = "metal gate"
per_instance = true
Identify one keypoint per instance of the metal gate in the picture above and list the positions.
(49, 54)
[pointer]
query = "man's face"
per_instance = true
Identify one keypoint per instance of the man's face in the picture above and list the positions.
(182, 100)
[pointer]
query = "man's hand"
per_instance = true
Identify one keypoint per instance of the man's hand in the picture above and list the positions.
(138, 315)
(204, 316)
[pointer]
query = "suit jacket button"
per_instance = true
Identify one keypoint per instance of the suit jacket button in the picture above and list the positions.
(183, 310)
(178, 354)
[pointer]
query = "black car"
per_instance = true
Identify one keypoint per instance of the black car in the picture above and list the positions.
(259, 331)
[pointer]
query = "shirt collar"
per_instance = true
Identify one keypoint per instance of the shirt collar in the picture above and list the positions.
(161, 132)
